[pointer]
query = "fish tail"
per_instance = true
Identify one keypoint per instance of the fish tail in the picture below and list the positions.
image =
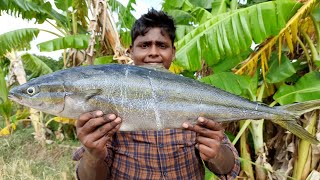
(297, 109)
(297, 130)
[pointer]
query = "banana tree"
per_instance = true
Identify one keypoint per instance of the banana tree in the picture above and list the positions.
(71, 25)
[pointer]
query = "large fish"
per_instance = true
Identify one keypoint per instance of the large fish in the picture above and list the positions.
(148, 99)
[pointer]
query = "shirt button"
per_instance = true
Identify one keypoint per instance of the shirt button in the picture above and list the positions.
(160, 145)
(165, 173)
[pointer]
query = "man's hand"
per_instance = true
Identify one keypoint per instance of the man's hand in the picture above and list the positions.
(217, 156)
(209, 137)
(95, 131)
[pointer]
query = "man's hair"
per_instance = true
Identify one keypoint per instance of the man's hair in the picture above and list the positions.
(153, 19)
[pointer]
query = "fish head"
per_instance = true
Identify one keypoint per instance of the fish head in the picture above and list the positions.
(43, 94)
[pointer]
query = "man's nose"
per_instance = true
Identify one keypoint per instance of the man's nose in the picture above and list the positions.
(154, 51)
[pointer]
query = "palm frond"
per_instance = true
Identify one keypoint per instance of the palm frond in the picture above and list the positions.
(18, 40)
(231, 33)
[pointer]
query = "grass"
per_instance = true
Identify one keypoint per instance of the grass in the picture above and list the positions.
(21, 157)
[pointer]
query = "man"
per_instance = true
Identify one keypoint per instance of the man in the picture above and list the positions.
(167, 154)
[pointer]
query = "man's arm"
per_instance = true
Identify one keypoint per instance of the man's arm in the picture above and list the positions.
(92, 168)
(214, 149)
(95, 132)
(225, 161)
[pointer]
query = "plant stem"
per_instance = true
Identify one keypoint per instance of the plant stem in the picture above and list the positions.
(50, 32)
(314, 54)
(304, 148)
(246, 166)
(243, 128)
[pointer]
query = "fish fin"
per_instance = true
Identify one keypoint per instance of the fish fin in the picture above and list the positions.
(92, 93)
(297, 130)
(300, 108)
(156, 67)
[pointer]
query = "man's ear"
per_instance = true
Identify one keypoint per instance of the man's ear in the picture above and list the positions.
(129, 51)
(174, 52)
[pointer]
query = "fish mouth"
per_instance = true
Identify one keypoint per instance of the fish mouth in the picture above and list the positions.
(13, 97)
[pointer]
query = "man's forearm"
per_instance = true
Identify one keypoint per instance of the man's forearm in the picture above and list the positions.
(223, 163)
(91, 168)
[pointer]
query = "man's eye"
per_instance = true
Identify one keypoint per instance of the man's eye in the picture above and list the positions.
(144, 45)
(162, 46)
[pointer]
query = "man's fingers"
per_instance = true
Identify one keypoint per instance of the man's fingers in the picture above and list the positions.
(83, 118)
(99, 126)
(207, 152)
(210, 124)
(102, 134)
(204, 131)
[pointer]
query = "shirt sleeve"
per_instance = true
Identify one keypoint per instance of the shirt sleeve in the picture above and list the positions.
(236, 167)
(77, 155)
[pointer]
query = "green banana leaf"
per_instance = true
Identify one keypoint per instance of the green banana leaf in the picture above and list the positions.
(72, 41)
(35, 66)
(231, 33)
(103, 60)
(182, 30)
(222, 66)
(201, 15)
(279, 71)
(17, 40)
(181, 17)
(63, 4)
(27, 9)
(169, 4)
(126, 19)
(5, 104)
(207, 4)
(219, 6)
(39, 10)
(306, 88)
(244, 86)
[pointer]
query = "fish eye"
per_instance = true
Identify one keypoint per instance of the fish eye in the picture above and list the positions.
(31, 90)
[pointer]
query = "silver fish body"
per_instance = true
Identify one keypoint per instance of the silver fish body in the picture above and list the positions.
(144, 98)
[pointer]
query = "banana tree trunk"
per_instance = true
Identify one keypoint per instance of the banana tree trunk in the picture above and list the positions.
(102, 19)
(17, 71)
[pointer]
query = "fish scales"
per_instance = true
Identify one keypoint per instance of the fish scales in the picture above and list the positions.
(144, 98)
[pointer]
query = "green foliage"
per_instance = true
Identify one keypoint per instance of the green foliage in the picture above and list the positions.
(306, 88)
(126, 19)
(27, 9)
(279, 71)
(232, 33)
(53, 64)
(35, 66)
(4, 65)
(244, 86)
(72, 41)
(207, 4)
(5, 104)
(17, 40)
(103, 60)
(63, 4)
(80, 10)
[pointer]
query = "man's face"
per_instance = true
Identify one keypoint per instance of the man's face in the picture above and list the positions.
(154, 48)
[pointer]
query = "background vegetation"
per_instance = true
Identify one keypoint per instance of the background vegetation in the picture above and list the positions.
(267, 51)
